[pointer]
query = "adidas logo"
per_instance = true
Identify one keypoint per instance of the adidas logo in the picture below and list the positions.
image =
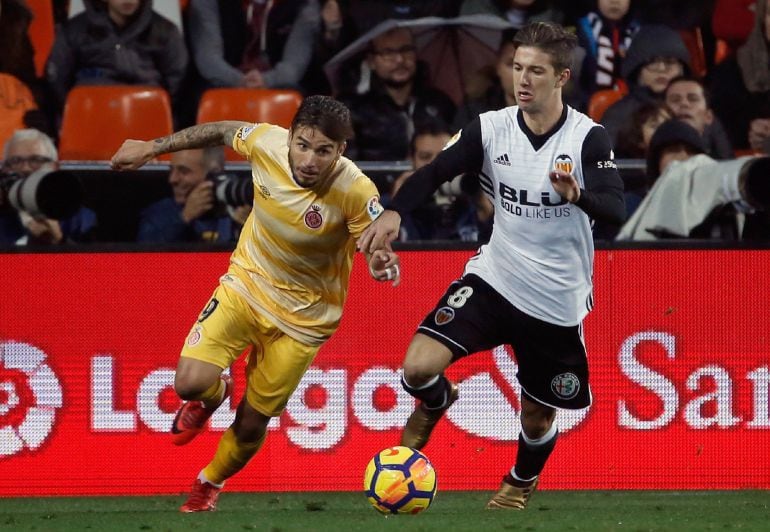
(503, 159)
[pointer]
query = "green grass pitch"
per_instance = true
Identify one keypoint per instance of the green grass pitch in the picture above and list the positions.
(632, 511)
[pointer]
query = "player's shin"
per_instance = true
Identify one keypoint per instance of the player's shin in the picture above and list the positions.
(532, 454)
(231, 456)
(437, 395)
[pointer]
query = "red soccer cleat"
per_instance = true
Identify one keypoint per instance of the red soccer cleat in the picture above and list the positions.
(191, 418)
(203, 498)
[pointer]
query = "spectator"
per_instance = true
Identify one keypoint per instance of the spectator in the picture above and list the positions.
(189, 215)
(689, 101)
(605, 33)
(450, 214)
(633, 143)
(517, 12)
(17, 58)
(386, 116)
(336, 32)
(27, 151)
(656, 56)
(500, 92)
(635, 137)
(116, 42)
(359, 17)
(696, 196)
(256, 44)
(741, 88)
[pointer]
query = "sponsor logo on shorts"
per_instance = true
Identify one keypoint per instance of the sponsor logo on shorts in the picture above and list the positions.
(565, 385)
(444, 315)
(313, 218)
(373, 207)
(210, 307)
(195, 336)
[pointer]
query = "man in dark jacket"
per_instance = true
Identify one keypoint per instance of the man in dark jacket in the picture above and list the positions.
(384, 118)
(117, 42)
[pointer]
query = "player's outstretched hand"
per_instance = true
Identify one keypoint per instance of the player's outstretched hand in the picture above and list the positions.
(565, 185)
(385, 265)
(132, 155)
(380, 233)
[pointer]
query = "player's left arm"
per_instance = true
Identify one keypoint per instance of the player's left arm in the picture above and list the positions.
(602, 198)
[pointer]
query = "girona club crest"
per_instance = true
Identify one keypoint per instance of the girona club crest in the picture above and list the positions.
(30, 394)
(313, 218)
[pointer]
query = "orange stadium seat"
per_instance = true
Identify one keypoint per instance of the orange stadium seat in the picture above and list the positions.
(601, 100)
(276, 106)
(97, 119)
(41, 32)
(15, 100)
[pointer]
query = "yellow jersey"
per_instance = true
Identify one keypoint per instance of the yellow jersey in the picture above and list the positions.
(293, 258)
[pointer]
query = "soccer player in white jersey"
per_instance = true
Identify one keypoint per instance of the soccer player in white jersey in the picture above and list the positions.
(288, 277)
(549, 170)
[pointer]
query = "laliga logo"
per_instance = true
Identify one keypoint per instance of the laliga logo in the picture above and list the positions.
(30, 393)
(483, 389)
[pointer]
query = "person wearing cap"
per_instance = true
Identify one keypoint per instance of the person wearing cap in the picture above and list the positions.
(656, 56)
(688, 188)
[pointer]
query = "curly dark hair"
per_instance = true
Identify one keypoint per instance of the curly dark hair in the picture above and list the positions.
(331, 117)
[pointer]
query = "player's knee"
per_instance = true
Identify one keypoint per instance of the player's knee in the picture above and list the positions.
(417, 373)
(425, 359)
(189, 389)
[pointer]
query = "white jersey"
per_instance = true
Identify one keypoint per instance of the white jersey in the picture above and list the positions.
(540, 255)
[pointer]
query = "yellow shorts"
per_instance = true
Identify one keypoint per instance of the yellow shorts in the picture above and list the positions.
(277, 362)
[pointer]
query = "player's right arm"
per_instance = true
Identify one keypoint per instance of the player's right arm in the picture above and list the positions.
(135, 153)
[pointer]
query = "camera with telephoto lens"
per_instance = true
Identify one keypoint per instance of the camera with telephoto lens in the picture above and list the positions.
(50, 193)
(232, 190)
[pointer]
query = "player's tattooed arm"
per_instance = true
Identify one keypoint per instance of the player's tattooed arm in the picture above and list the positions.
(199, 136)
(135, 153)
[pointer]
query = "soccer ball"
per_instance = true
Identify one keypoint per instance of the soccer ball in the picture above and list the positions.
(400, 480)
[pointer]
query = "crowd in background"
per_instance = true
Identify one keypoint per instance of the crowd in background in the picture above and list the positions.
(701, 64)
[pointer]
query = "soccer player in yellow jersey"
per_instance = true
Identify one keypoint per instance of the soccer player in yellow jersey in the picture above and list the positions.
(288, 276)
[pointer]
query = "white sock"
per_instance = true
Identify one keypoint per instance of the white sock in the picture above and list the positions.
(203, 478)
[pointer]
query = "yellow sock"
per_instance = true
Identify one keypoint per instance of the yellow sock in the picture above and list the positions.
(230, 457)
(213, 396)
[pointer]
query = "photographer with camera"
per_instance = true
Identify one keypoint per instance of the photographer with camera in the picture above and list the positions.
(695, 196)
(194, 213)
(30, 161)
